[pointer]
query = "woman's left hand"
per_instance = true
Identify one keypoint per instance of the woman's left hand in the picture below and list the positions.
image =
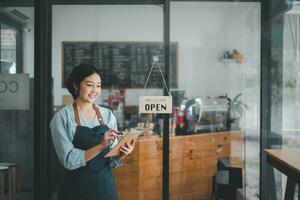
(126, 150)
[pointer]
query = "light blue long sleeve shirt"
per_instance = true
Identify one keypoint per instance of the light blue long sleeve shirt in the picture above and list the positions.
(63, 127)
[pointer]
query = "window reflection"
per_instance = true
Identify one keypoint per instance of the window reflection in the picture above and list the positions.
(8, 50)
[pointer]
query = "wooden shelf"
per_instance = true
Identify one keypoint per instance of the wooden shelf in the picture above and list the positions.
(230, 61)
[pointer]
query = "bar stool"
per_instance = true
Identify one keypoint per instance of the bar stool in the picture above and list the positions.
(3, 175)
(227, 180)
(13, 184)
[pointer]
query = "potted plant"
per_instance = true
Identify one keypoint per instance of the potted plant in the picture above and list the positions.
(236, 111)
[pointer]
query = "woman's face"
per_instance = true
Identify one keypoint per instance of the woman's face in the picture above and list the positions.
(90, 88)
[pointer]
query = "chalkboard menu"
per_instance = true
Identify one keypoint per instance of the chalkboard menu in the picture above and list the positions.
(121, 63)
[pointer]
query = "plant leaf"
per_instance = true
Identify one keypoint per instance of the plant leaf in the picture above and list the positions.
(236, 97)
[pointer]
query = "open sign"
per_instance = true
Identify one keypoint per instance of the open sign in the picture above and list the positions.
(155, 104)
(14, 91)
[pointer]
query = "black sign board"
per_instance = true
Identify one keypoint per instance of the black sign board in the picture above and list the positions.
(121, 63)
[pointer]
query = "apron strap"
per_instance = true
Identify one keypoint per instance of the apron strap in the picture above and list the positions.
(98, 113)
(76, 114)
(77, 119)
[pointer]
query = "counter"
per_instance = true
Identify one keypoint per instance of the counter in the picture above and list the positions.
(193, 160)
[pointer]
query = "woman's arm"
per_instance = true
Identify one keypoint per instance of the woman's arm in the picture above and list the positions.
(94, 151)
(70, 157)
(62, 135)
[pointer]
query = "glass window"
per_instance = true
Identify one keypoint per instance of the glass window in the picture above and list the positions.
(16, 102)
(8, 50)
(282, 140)
(215, 124)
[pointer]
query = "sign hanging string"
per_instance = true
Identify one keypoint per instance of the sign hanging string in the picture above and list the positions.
(155, 60)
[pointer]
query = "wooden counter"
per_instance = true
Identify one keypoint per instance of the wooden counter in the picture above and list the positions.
(193, 160)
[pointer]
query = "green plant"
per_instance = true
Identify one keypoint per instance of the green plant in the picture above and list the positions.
(236, 107)
(235, 111)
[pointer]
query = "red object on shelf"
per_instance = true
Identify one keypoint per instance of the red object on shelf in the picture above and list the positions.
(114, 97)
(179, 116)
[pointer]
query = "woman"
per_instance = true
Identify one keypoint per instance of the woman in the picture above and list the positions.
(82, 134)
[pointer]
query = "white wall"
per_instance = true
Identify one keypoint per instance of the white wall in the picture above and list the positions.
(204, 31)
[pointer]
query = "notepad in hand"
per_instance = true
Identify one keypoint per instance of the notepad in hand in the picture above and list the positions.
(128, 137)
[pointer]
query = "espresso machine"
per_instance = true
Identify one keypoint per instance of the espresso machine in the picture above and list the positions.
(203, 115)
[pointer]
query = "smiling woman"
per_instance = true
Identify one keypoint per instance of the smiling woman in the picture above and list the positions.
(83, 133)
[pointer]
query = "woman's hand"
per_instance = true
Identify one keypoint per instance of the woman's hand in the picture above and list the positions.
(108, 137)
(126, 149)
(94, 151)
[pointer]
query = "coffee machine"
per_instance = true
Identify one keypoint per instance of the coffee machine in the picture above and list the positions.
(203, 115)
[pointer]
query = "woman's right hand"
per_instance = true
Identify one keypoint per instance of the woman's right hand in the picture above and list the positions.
(108, 137)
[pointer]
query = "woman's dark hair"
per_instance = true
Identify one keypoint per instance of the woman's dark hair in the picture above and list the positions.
(77, 75)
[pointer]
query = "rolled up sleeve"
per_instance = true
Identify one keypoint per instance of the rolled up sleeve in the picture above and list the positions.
(114, 161)
(71, 158)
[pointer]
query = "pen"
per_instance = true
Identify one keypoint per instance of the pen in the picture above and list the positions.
(119, 134)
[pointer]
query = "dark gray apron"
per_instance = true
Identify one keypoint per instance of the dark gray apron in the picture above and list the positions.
(95, 180)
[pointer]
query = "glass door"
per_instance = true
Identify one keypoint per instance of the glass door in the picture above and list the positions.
(120, 41)
(215, 125)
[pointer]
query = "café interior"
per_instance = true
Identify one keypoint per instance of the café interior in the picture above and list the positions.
(232, 72)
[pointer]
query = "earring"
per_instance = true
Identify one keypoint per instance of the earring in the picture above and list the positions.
(76, 92)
